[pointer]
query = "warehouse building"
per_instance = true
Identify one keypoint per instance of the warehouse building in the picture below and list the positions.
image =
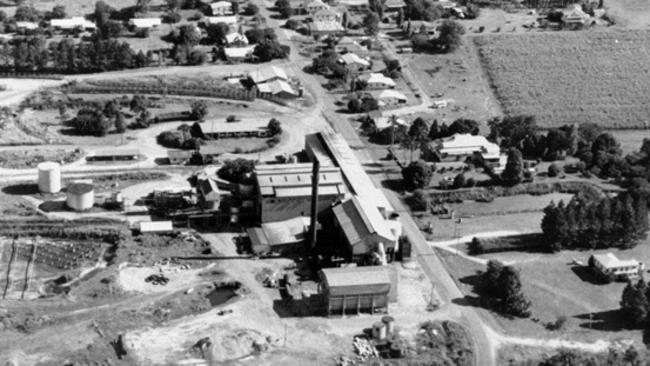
(284, 190)
(280, 236)
(355, 289)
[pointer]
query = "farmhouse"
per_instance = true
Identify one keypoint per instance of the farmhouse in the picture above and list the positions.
(277, 88)
(314, 6)
(390, 97)
(72, 23)
(347, 44)
(377, 80)
(279, 236)
(284, 190)
(364, 231)
(114, 155)
(609, 265)
(326, 15)
(236, 38)
(239, 54)
(221, 8)
(26, 25)
(179, 157)
(230, 20)
(575, 17)
(461, 146)
(144, 23)
(355, 289)
(267, 74)
(354, 62)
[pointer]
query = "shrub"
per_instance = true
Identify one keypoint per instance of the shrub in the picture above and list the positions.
(553, 170)
(419, 200)
(274, 127)
(199, 110)
(557, 324)
(475, 247)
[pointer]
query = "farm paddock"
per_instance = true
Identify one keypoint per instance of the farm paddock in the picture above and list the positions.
(571, 77)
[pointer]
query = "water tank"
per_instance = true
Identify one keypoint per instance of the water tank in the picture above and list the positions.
(81, 196)
(49, 177)
(379, 331)
(390, 323)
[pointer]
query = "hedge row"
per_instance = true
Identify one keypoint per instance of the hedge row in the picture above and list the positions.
(226, 93)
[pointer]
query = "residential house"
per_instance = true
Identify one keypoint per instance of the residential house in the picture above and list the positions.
(278, 88)
(239, 54)
(575, 17)
(320, 28)
(26, 25)
(394, 5)
(73, 23)
(461, 146)
(365, 232)
(144, 23)
(236, 39)
(326, 15)
(377, 80)
(284, 190)
(266, 74)
(179, 157)
(355, 289)
(230, 20)
(347, 44)
(609, 265)
(390, 97)
(353, 62)
(221, 8)
(314, 6)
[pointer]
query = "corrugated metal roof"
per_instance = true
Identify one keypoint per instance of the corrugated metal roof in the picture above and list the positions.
(145, 22)
(378, 78)
(155, 226)
(228, 19)
(359, 220)
(267, 73)
(329, 190)
(356, 280)
(286, 180)
(116, 152)
(276, 87)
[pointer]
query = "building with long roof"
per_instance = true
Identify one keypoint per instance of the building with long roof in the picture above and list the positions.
(355, 289)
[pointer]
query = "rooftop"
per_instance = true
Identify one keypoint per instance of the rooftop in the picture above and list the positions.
(280, 232)
(390, 93)
(326, 26)
(359, 219)
(267, 73)
(155, 226)
(227, 19)
(221, 126)
(376, 77)
(609, 260)
(275, 87)
(356, 276)
(238, 52)
(351, 58)
(79, 188)
(145, 22)
(284, 180)
(73, 22)
(460, 143)
(116, 152)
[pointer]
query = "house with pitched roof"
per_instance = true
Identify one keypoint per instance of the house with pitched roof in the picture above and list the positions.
(353, 62)
(266, 74)
(278, 88)
(377, 80)
(221, 8)
(389, 97)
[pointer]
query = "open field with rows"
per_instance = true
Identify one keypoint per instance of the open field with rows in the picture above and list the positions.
(571, 77)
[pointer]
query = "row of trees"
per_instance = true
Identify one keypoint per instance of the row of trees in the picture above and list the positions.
(635, 303)
(448, 40)
(596, 222)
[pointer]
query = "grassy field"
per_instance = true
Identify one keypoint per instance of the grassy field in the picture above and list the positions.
(502, 205)
(571, 77)
(630, 140)
(556, 287)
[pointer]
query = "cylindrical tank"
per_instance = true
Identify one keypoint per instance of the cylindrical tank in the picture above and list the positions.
(81, 196)
(49, 177)
(390, 323)
(379, 331)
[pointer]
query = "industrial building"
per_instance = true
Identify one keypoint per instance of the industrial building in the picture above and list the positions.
(365, 232)
(280, 236)
(208, 192)
(80, 196)
(355, 289)
(285, 190)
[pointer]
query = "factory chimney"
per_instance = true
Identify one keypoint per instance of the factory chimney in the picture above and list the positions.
(314, 203)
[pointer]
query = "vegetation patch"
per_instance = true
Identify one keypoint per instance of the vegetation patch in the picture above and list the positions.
(571, 77)
(29, 158)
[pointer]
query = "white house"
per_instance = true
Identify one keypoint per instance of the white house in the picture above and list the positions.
(312, 7)
(575, 17)
(394, 5)
(267, 74)
(390, 97)
(609, 265)
(221, 8)
(230, 20)
(354, 62)
(326, 15)
(347, 44)
(278, 88)
(382, 123)
(460, 146)
(72, 23)
(236, 38)
(377, 80)
(145, 23)
(239, 54)
(26, 25)
(319, 28)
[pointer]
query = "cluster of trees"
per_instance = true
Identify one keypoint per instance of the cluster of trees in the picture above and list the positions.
(283, 7)
(98, 120)
(327, 64)
(448, 40)
(266, 43)
(371, 23)
(635, 303)
(34, 54)
(181, 138)
(417, 174)
(423, 10)
(596, 222)
(615, 357)
(199, 109)
(501, 285)
(237, 171)
(362, 104)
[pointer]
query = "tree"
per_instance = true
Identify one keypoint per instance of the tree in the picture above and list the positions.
(489, 281)
(377, 7)
(511, 131)
(237, 171)
(513, 172)
(513, 301)
(419, 200)
(553, 170)
(173, 4)
(234, 5)
(284, 8)
(120, 124)
(27, 13)
(143, 5)
(463, 126)
(268, 50)
(460, 181)
(417, 174)
(257, 35)
(251, 9)
(199, 110)
(475, 247)
(449, 36)
(113, 29)
(91, 122)
(138, 103)
(371, 23)
(172, 17)
(274, 127)
(634, 303)
(188, 35)
(58, 12)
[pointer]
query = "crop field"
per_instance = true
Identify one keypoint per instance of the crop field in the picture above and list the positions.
(571, 77)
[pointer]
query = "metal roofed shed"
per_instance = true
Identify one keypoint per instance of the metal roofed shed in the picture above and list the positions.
(114, 155)
(155, 227)
(355, 289)
(268, 73)
(279, 236)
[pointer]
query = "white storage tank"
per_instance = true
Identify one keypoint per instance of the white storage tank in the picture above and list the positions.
(49, 177)
(81, 196)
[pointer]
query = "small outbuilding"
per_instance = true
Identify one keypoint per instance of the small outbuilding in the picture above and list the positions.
(355, 289)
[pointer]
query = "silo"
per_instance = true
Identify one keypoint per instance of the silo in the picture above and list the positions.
(49, 177)
(81, 196)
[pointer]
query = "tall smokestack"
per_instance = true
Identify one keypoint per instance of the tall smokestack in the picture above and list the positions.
(314, 203)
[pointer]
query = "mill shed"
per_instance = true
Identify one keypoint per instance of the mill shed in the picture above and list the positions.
(355, 289)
